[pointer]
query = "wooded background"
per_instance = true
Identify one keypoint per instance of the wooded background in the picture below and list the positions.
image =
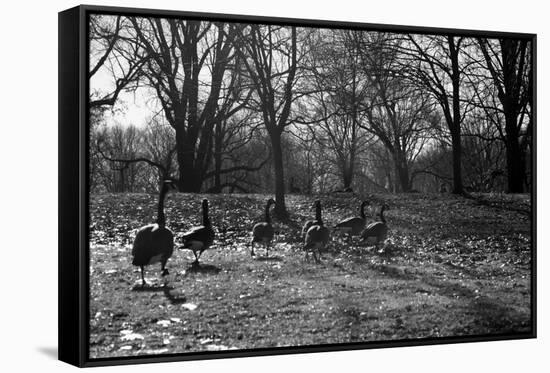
(275, 109)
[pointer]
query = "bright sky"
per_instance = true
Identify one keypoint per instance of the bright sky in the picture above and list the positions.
(131, 107)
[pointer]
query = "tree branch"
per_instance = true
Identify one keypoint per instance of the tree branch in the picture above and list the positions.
(133, 160)
(239, 168)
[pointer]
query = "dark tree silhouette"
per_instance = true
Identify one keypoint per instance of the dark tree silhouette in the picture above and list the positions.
(327, 108)
(181, 53)
(433, 63)
(109, 52)
(508, 62)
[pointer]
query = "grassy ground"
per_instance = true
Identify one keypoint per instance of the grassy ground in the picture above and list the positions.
(452, 266)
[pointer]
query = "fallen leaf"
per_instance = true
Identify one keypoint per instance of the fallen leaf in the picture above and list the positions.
(189, 306)
(132, 337)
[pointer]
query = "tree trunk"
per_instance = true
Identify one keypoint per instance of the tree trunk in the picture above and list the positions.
(389, 184)
(309, 180)
(457, 162)
(454, 125)
(347, 173)
(350, 169)
(218, 158)
(515, 164)
(189, 178)
(347, 178)
(513, 80)
(121, 180)
(402, 173)
(280, 206)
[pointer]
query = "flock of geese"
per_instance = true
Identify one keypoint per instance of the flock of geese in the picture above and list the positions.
(154, 243)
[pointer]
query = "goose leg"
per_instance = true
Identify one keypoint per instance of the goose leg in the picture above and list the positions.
(197, 257)
(316, 258)
(164, 271)
(252, 249)
(380, 250)
(143, 283)
(267, 249)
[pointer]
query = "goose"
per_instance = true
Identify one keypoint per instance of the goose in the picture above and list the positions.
(354, 226)
(200, 238)
(309, 223)
(317, 236)
(263, 231)
(376, 232)
(155, 242)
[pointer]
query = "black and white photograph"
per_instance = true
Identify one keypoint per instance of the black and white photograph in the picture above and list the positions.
(278, 186)
(260, 185)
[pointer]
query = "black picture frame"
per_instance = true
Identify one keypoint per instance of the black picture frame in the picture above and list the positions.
(73, 232)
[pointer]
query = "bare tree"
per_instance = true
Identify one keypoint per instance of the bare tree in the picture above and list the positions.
(399, 114)
(235, 126)
(484, 154)
(402, 123)
(435, 64)
(187, 67)
(109, 55)
(327, 108)
(334, 103)
(308, 159)
(270, 56)
(159, 145)
(114, 143)
(508, 62)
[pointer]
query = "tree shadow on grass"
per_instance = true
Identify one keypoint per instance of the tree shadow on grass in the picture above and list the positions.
(499, 318)
(149, 288)
(489, 313)
(174, 297)
(398, 273)
(206, 269)
(499, 205)
(275, 258)
(450, 289)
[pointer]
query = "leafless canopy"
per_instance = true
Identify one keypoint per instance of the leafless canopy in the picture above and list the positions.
(270, 108)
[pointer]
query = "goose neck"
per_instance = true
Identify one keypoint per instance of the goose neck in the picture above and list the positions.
(382, 218)
(267, 216)
(205, 218)
(318, 216)
(161, 218)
